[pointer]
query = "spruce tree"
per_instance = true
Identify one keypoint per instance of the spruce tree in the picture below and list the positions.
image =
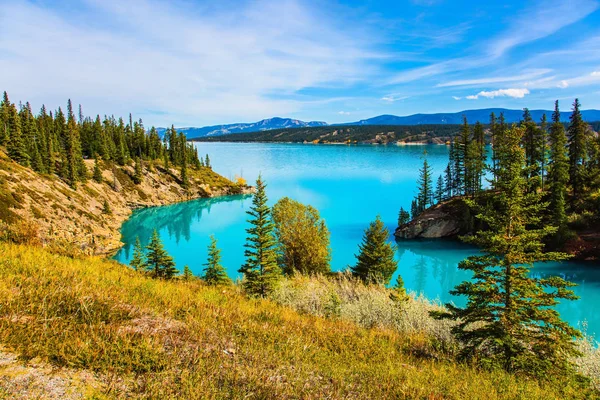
(398, 293)
(16, 147)
(403, 217)
(261, 272)
(158, 262)
(509, 320)
(375, 260)
(558, 174)
(439, 190)
(425, 187)
(207, 162)
(577, 150)
(414, 209)
(138, 175)
(138, 261)
(187, 273)
(97, 176)
(106, 208)
(214, 273)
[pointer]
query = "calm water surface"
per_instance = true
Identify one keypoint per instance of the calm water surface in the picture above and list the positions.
(350, 186)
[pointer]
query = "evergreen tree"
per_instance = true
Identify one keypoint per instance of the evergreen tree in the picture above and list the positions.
(478, 157)
(97, 176)
(187, 273)
(439, 190)
(106, 208)
(261, 272)
(403, 217)
(138, 175)
(544, 150)
(375, 260)
(425, 187)
(493, 136)
(4, 132)
(414, 209)
(158, 262)
(16, 147)
(509, 319)
(558, 173)
(214, 273)
(138, 261)
(577, 150)
(207, 162)
(399, 291)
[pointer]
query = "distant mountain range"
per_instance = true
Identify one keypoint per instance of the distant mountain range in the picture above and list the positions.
(263, 125)
(482, 115)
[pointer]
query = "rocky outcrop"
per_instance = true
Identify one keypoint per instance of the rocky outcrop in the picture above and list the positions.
(445, 220)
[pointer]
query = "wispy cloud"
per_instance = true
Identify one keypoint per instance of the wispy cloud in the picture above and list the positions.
(514, 93)
(197, 65)
(540, 20)
(344, 112)
(392, 99)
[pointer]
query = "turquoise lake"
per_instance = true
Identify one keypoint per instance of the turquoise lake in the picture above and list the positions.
(350, 186)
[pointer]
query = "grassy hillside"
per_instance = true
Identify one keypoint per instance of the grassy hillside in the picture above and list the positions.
(96, 328)
(346, 133)
(43, 207)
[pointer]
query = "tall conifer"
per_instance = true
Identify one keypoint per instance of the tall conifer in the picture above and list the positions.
(509, 319)
(261, 272)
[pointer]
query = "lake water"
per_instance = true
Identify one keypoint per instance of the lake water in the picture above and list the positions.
(350, 186)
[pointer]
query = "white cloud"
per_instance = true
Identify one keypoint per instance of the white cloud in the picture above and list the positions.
(514, 93)
(456, 97)
(344, 112)
(391, 98)
(195, 64)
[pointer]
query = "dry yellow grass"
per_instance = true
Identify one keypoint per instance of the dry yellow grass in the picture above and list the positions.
(177, 339)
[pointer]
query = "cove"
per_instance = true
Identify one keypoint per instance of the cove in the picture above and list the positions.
(350, 186)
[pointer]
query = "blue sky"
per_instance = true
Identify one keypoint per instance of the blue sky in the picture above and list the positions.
(195, 63)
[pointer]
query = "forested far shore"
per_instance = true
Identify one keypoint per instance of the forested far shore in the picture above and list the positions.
(352, 134)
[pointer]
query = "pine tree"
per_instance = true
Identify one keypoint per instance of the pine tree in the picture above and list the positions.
(577, 150)
(207, 162)
(558, 173)
(4, 132)
(97, 176)
(414, 209)
(375, 260)
(399, 291)
(16, 147)
(439, 190)
(425, 187)
(493, 136)
(138, 261)
(478, 157)
(158, 262)
(106, 208)
(187, 273)
(138, 175)
(261, 272)
(403, 217)
(214, 273)
(509, 319)
(544, 150)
